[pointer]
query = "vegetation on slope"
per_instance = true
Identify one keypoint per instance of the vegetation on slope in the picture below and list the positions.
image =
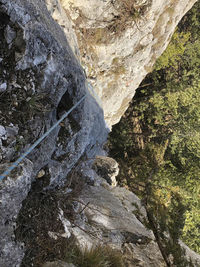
(157, 142)
(97, 256)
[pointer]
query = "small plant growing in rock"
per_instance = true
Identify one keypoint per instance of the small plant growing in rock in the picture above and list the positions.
(128, 11)
(97, 256)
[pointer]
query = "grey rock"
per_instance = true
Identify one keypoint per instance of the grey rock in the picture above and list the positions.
(113, 212)
(8, 135)
(44, 68)
(58, 264)
(190, 254)
(107, 168)
(3, 133)
(62, 18)
(143, 255)
(13, 191)
(3, 87)
(110, 219)
(52, 64)
(119, 59)
(10, 34)
(12, 131)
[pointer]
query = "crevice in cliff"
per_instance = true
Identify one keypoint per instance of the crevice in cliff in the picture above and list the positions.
(64, 105)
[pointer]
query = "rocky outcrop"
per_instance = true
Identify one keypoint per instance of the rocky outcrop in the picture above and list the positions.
(12, 192)
(40, 78)
(119, 43)
(116, 217)
(107, 168)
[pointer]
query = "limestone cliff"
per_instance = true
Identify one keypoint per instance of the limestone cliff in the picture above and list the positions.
(60, 190)
(119, 42)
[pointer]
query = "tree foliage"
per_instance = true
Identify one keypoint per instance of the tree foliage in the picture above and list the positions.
(157, 141)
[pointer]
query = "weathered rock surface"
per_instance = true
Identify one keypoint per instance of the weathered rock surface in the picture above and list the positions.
(58, 264)
(40, 78)
(60, 16)
(119, 42)
(116, 217)
(190, 254)
(107, 168)
(109, 218)
(12, 192)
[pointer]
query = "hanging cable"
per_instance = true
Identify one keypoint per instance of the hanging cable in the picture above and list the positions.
(16, 163)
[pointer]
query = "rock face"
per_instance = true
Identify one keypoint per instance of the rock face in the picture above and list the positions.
(112, 218)
(40, 78)
(107, 168)
(116, 217)
(58, 264)
(43, 80)
(119, 42)
(12, 192)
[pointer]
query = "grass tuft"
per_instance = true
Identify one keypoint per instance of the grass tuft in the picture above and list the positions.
(98, 256)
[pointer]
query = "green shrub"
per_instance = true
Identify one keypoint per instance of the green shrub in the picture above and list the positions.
(174, 51)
